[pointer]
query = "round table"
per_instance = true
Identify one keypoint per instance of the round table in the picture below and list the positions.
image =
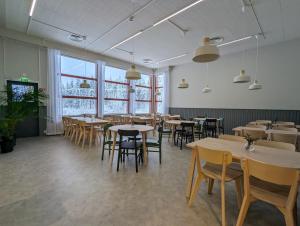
(141, 128)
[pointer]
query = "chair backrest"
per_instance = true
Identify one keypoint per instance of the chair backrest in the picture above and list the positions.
(276, 144)
(106, 132)
(285, 123)
(139, 122)
(232, 138)
(188, 126)
(128, 133)
(286, 138)
(221, 122)
(160, 130)
(270, 173)
(256, 126)
(254, 134)
(286, 128)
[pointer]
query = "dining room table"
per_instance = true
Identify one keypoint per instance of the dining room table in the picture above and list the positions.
(238, 131)
(92, 122)
(267, 155)
(143, 129)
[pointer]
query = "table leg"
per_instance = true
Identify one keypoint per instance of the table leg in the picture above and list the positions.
(236, 133)
(191, 173)
(114, 134)
(144, 136)
(91, 136)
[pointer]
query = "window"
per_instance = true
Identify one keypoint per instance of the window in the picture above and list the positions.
(159, 93)
(76, 100)
(143, 95)
(116, 96)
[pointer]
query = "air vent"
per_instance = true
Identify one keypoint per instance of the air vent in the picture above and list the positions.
(77, 38)
(147, 61)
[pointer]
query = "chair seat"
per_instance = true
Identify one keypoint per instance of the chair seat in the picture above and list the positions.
(215, 172)
(130, 145)
(272, 193)
(152, 142)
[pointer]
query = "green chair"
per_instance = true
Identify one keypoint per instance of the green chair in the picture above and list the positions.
(156, 144)
(107, 140)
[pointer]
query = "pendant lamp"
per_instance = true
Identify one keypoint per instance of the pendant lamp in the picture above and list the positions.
(132, 73)
(85, 85)
(255, 85)
(206, 89)
(183, 84)
(241, 78)
(206, 52)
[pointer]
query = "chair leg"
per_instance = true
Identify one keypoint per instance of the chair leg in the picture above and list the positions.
(223, 208)
(243, 211)
(119, 157)
(103, 146)
(181, 138)
(289, 218)
(195, 189)
(210, 185)
(159, 150)
(136, 161)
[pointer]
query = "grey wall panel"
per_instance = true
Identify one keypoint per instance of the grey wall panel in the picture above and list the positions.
(238, 117)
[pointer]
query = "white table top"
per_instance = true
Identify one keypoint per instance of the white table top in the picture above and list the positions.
(140, 128)
(240, 128)
(203, 119)
(89, 120)
(177, 122)
(267, 155)
(267, 131)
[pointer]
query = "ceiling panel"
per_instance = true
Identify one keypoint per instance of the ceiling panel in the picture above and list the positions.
(94, 18)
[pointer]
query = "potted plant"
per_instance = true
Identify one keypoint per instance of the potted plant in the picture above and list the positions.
(250, 141)
(24, 105)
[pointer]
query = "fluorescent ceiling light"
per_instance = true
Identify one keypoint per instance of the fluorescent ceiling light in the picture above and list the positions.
(33, 3)
(178, 12)
(172, 58)
(127, 39)
(237, 40)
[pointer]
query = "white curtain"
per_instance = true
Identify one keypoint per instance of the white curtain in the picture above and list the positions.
(101, 83)
(54, 103)
(166, 93)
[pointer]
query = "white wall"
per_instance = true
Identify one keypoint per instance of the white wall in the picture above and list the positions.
(278, 73)
(20, 53)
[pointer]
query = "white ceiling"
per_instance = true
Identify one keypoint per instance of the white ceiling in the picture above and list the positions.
(93, 18)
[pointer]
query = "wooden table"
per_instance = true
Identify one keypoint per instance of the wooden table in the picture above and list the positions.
(92, 122)
(141, 128)
(203, 119)
(264, 154)
(238, 130)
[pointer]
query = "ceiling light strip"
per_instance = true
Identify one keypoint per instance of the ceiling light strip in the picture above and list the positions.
(172, 58)
(178, 12)
(33, 4)
(237, 40)
(126, 40)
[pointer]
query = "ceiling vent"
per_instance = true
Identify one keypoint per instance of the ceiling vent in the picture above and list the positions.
(77, 38)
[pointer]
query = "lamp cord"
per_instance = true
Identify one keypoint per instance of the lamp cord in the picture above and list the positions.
(256, 69)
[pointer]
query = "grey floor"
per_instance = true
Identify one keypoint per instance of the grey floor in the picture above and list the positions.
(50, 181)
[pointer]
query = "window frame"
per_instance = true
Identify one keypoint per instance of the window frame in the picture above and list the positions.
(157, 87)
(85, 78)
(151, 94)
(117, 99)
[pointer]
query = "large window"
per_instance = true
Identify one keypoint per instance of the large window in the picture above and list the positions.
(159, 93)
(143, 95)
(76, 100)
(116, 96)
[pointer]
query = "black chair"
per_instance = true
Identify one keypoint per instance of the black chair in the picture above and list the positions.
(210, 127)
(164, 131)
(199, 130)
(125, 146)
(151, 143)
(186, 133)
(221, 125)
(107, 140)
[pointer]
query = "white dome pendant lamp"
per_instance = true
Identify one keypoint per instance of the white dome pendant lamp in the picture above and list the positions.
(255, 85)
(206, 89)
(207, 52)
(242, 77)
(183, 84)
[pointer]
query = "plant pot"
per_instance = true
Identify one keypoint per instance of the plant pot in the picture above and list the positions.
(7, 145)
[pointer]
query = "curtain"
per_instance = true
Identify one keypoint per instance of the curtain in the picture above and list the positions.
(101, 86)
(54, 103)
(166, 93)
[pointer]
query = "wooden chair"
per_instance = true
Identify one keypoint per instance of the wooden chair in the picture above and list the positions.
(272, 184)
(232, 138)
(286, 138)
(286, 128)
(216, 168)
(275, 144)
(84, 132)
(255, 134)
(256, 126)
(283, 124)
